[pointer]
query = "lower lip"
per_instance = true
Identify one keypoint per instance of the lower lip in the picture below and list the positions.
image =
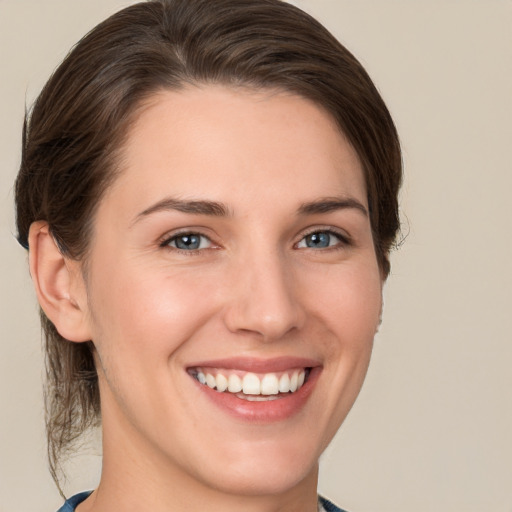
(263, 412)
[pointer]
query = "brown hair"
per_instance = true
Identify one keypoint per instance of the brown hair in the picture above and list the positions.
(79, 121)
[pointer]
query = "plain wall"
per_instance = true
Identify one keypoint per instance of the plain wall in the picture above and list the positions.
(432, 429)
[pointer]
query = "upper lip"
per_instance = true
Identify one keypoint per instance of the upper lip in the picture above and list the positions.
(258, 365)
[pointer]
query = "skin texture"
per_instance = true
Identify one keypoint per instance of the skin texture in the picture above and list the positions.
(253, 289)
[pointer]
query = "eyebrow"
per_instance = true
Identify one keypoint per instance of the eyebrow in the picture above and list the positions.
(217, 209)
(330, 204)
(202, 207)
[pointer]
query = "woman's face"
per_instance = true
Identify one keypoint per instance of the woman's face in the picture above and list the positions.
(234, 248)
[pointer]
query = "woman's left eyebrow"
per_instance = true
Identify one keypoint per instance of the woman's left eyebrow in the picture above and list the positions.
(329, 204)
(195, 207)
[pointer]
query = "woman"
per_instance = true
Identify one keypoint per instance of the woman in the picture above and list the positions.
(208, 192)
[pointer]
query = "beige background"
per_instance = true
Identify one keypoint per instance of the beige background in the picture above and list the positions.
(432, 430)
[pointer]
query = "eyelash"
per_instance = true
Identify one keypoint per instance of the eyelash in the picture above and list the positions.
(343, 241)
(165, 243)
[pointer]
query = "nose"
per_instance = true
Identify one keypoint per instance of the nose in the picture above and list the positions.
(264, 299)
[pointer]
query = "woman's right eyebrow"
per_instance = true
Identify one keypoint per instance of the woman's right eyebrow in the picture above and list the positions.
(196, 207)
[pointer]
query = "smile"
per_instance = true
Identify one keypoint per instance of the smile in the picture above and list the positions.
(252, 386)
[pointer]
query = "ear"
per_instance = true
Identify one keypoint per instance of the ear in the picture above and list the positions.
(59, 285)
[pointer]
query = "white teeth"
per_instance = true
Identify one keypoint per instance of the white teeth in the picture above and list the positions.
(294, 381)
(257, 398)
(210, 381)
(234, 383)
(251, 384)
(269, 385)
(302, 376)
(284, 383)
(222, 382)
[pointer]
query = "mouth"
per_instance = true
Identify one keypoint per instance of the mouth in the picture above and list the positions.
(256, 390)
(251, 386)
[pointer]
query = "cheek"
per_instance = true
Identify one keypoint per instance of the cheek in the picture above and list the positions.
(143, 319)
(350, 312)
(150, 313)
(346, 304)
(349, 301)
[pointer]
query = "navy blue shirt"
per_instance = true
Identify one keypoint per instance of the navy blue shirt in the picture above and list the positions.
(72, 502)
(75, 500)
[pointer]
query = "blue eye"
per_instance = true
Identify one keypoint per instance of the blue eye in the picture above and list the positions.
(189, 242)
(320, 240)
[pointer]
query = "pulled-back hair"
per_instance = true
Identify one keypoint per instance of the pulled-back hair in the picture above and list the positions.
(76, 128)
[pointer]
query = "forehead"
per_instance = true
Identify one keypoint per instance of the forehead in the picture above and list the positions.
(229, 143)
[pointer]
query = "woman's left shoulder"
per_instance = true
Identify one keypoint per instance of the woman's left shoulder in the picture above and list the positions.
(324, 505)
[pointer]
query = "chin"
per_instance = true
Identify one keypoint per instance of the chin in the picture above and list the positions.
(254, 481)
(265, 470)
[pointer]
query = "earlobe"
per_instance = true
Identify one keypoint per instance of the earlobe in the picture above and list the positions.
(59, 285)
